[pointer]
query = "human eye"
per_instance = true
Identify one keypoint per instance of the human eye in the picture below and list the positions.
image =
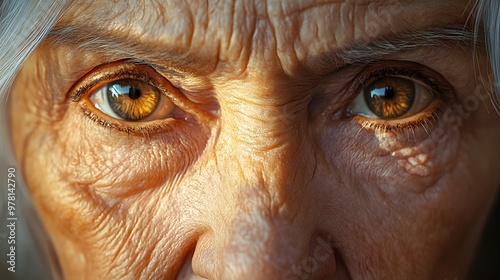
(132, 100)
(391, 97)
(130, 97)
(395, 97)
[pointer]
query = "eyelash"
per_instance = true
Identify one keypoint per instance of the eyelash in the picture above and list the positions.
(98, 80)
(144, 129)
(438, 89)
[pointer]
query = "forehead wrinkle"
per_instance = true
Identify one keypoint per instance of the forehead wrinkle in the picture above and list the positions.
(162, 28)
(291, 8)
(297, 37)
(137, 18)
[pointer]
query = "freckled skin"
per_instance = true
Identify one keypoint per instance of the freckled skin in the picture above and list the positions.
(269, 185)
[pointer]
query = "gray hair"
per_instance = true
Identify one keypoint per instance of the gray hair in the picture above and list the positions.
(19, 37)
(23, 26)
(489, 16)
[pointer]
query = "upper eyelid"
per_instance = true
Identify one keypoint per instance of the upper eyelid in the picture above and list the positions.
(103, 74)
(159, 68)
(437, 84)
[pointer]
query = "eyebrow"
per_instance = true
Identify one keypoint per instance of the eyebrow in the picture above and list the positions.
(455, 36)
(178, 62)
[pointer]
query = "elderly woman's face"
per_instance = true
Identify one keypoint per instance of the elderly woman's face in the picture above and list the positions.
(260, 139)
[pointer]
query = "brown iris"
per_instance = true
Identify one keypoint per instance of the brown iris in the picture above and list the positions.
(390, 97)
(132, 99)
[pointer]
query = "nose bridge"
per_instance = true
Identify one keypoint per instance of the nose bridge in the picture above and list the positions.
(258, 183)
(265, 151)
(263, 132)
(260, 122)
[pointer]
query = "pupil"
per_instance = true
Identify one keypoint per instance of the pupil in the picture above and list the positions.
(389, 92)
(134, 92)
(386, 92)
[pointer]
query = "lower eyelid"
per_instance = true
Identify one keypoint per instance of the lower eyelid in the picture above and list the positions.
(138, 128)
(423, 120)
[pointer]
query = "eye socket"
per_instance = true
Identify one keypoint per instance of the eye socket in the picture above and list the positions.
(391, 97)
(132, 100)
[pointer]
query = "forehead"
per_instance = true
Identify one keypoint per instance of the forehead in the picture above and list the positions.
(285, 32)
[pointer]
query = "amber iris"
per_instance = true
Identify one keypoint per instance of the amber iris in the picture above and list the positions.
(132, 100)
(390, 97)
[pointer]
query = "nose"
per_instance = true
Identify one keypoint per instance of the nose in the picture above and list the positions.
(257, 244)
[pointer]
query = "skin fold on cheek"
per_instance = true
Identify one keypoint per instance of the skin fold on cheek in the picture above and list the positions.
(417, 161)
(412, 161)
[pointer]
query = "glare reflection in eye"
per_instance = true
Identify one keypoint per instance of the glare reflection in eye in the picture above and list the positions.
(391, 97)
(132, 100)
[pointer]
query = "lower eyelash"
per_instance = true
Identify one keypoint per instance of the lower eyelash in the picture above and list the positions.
(426, 122)
(144, 130)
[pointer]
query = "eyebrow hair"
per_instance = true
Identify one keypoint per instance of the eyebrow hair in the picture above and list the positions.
(177, 61)
(440, 37)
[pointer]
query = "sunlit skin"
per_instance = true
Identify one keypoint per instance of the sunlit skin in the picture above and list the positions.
(260, 172)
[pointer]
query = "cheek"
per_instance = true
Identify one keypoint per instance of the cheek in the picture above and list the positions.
(102, 199)
(392, 190)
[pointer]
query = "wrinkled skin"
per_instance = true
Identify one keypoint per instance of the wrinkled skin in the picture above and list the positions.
(260, 175)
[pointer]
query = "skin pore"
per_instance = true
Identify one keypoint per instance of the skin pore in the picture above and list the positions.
(267, 167)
